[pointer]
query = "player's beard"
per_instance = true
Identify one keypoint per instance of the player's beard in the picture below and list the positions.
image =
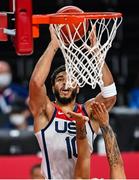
(64, 100)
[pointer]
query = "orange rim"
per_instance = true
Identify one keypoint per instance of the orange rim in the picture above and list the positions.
(68, 18)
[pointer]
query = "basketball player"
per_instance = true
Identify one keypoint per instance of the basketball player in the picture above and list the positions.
(82, 168)
(56, 133)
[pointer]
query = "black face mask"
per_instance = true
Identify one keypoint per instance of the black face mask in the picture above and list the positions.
(63, 100)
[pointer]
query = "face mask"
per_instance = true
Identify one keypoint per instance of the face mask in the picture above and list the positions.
(5, 79)
(17, 119)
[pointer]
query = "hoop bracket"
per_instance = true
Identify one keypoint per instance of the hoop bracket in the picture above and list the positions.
(3, 25)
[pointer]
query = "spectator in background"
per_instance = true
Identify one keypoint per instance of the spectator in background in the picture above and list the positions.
(35, 172)
(9, 91)
(20, 117)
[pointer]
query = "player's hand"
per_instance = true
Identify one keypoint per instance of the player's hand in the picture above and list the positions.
(80, 119)
(92, 36)
(54, 39)
(100, 113)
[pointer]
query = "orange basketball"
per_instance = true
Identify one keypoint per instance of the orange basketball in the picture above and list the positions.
(64, 29)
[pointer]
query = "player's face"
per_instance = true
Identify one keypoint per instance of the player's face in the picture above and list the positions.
(64, 95)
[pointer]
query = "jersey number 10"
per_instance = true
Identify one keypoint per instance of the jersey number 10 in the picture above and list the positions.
(71, 147)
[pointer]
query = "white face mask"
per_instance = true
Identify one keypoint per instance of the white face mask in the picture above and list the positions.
(5, 79)
(17, 119)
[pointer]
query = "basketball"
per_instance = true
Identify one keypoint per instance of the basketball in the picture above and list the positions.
(66, 31)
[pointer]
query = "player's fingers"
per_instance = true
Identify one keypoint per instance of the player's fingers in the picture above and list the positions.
(103, 107)
(100, 109)
(95, 114)
(51, 27)
(95, 109)
(96, 106)
(93, 105)
(72, 114)
(77, 116)
(93, 34)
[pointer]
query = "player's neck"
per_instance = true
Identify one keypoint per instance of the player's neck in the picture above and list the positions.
(66, 107)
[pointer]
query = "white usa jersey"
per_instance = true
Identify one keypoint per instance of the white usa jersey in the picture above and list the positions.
(58, 144)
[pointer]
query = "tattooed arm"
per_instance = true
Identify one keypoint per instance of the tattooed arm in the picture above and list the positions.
(113, 153)
(112, 149)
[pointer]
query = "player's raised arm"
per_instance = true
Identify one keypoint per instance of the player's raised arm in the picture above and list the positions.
(108, 90)
(112, 149)
(38, 98)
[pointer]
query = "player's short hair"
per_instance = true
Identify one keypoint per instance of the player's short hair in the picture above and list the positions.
(56, 72)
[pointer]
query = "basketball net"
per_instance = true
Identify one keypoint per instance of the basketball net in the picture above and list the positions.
(84, 60)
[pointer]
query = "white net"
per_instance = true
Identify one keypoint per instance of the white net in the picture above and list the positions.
(85, 53)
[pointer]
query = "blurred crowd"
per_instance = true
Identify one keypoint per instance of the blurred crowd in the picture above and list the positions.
(14, 111)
